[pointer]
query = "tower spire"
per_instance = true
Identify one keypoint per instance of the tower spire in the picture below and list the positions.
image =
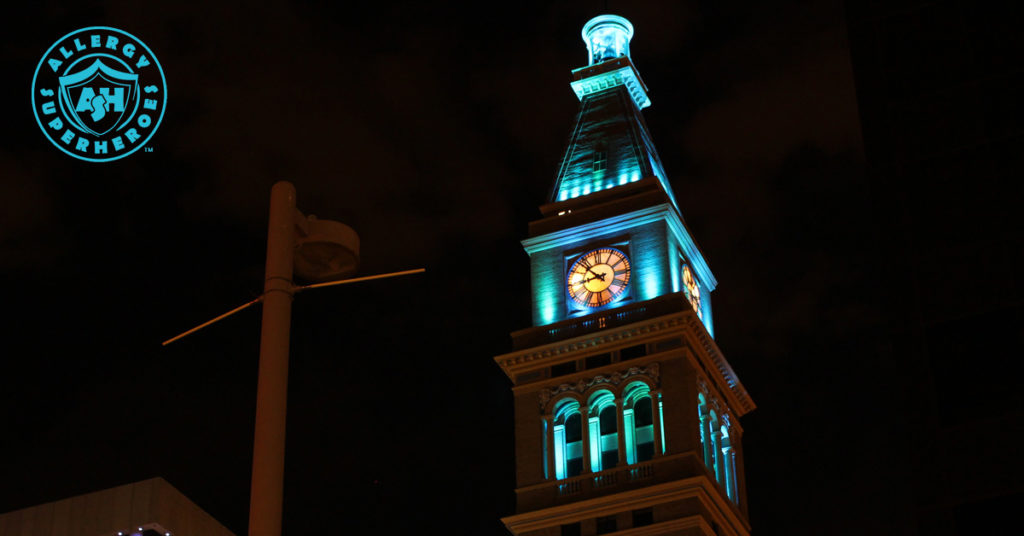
(610, 144)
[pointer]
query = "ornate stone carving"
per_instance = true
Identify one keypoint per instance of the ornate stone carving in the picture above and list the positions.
(651, 371)
(509, 361)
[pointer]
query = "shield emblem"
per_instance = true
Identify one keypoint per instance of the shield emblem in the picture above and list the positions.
(96, 98)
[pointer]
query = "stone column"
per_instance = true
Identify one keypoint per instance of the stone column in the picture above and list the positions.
(656, 420)
(585, 423)
(716, 447)
(730, 472)
(705, 440)
(549, 440)
(620, 426)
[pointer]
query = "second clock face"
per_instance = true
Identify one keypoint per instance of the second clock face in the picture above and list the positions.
(598, 277)
(692, 290)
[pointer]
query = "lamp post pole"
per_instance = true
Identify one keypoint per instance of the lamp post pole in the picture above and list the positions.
(266, 497)
(267, 494)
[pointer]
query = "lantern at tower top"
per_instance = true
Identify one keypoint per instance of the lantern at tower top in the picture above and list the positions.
(607, 37)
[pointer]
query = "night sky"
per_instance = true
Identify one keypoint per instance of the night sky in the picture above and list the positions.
(435, 131)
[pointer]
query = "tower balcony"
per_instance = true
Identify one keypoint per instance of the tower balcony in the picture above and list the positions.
(679, 487)
(614, 480)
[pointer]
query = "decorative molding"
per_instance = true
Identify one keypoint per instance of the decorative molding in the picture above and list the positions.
(625, 76)
(590, 230)
(651, 372)
(509, 361)
(743, 402)
(740, 400)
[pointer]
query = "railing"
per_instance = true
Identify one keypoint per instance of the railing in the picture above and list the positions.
(602, 480)
(605, 479)
(641, 472)
(571, 487)
(551, 492)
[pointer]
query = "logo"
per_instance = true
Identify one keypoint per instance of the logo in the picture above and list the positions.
(99, 94)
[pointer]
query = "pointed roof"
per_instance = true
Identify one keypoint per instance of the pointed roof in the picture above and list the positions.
(610, 144)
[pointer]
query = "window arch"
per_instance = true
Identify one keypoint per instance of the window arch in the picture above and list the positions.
(638, 422)
(718, 446)
(568, 440)
(603, 431)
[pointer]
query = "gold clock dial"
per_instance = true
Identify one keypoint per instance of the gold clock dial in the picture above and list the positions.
(598, 277)
(692, 290)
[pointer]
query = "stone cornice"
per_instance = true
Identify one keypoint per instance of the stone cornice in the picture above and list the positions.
(515, 363)
(738, 397)
(598, 78)
(699, 487)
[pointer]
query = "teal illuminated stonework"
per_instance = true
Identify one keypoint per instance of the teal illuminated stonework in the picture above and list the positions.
(611, 172)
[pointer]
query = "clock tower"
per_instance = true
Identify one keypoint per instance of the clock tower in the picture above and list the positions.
(627, 415)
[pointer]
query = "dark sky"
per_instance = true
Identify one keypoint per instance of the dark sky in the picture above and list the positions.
(435, 131)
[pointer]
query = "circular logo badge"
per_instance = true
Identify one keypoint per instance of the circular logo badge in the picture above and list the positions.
(99, 94)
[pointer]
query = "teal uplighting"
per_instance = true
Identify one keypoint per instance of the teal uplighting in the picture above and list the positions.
(674, 267)
(568, 439)
(547, 287)
(638, 423)
(606, 440)
(544, 449)
(656, 263)
(559, 452)
(651, 284)
(595, 446)
(627, 425)
(607, 37)
(661, 421)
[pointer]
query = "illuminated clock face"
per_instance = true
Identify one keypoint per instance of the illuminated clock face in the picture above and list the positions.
(598, 277)
(692, 290)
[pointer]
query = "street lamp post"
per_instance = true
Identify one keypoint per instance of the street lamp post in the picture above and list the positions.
(267, 493)
(320, 250)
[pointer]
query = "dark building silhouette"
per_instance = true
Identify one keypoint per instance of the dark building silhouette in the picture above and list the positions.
(146, 508)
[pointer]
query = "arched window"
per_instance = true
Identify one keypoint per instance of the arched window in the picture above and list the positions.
(604, 439)
(638, 421)
(719, 454)
(568, 429)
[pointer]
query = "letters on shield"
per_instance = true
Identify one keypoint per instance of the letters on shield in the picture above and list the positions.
(95, 98)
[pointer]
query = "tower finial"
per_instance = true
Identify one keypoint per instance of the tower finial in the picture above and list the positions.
(607, 37)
